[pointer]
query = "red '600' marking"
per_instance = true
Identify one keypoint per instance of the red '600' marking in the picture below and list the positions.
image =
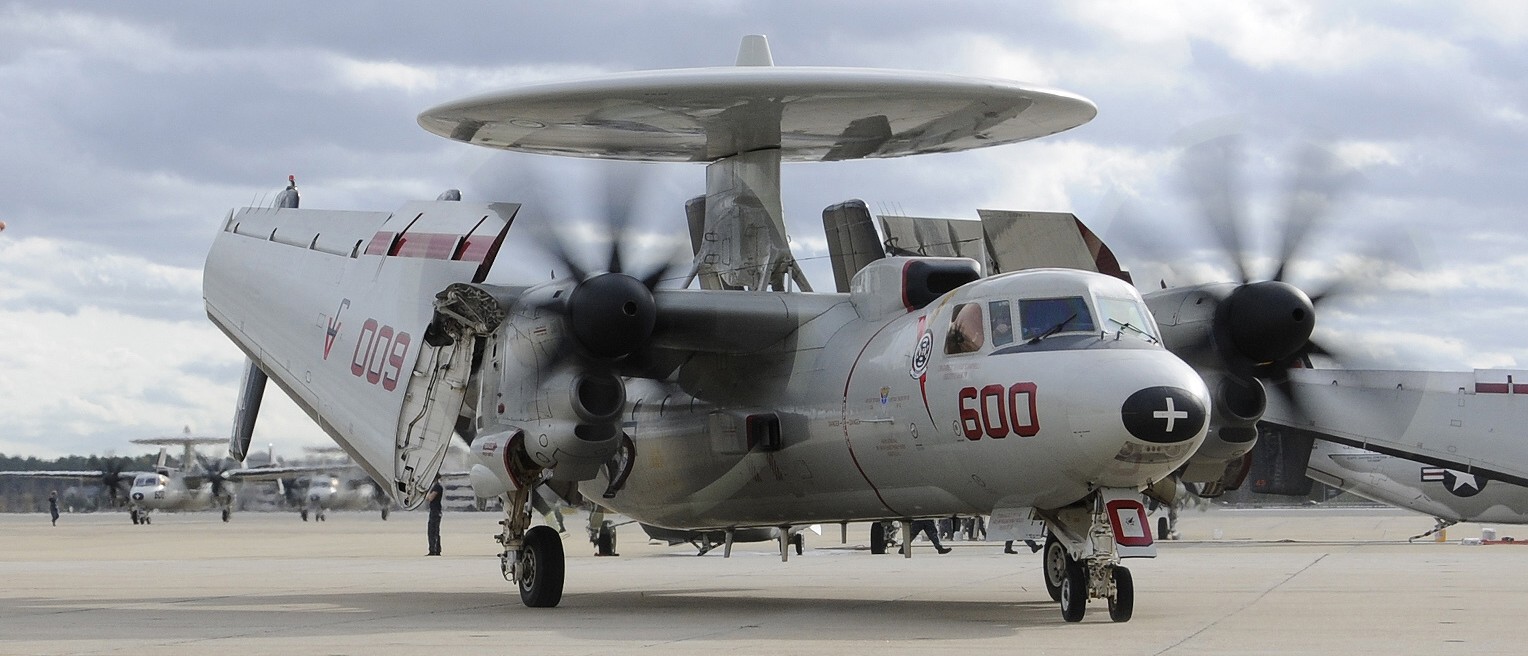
(996, 411)
(379, 353)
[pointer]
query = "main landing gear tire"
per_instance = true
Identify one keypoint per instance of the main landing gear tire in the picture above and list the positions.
(877, 538)
(385, 511)
(1122, 604)
(304, 515)
(541, 568)
(1053, 566)
(799, 542)
(134, 515)
(226, 514)
(1164, 529)
(1074, 591)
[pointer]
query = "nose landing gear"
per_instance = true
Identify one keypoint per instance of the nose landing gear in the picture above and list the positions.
(1083, 548)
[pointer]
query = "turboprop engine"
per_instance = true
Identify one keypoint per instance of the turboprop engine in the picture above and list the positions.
(1244, 334)
(1233, 335)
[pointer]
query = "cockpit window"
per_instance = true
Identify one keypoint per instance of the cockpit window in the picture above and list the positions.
(1002, 323)
(146, 480)
(1125, 315)
(1044, 317)
(967, 331)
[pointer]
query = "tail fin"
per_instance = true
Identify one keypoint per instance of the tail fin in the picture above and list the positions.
(334, 306)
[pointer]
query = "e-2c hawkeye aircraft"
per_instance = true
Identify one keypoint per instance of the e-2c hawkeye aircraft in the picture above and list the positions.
(919, 389)
(195, 484)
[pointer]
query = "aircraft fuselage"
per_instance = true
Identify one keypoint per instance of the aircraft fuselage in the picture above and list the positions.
(890, 417)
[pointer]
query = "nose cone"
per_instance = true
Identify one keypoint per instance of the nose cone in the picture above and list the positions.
(1164, 415)
(1137, 415)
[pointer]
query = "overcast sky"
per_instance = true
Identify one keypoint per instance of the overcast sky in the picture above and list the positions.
(128, 130)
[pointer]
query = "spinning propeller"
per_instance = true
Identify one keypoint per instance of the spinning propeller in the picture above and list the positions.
(216, 473)
(1263, 327)
(112, 477)
(609, 313)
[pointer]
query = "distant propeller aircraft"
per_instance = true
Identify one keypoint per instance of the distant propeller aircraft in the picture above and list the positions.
(113, 477)
(922, 388)
(197, 483)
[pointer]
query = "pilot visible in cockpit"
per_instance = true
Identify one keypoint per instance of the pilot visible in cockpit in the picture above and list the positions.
(967, 332)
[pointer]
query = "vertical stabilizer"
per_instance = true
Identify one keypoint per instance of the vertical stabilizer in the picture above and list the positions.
(852, 240)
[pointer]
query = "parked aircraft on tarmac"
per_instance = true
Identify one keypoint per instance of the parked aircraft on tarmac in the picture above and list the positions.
(343, 489)
(1037, 387)
(1440, 443)
(197, 484)
(1449, 496)
(1463, 421)
(194, 484)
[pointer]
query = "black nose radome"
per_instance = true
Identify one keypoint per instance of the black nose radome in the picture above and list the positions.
(1163, 415)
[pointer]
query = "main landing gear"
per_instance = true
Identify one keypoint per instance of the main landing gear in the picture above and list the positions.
(138, 516)
(532, 556)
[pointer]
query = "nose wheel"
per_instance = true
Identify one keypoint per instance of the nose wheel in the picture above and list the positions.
(1122, 602)
(1082, 581)
(1054, 562)
(1074, 591)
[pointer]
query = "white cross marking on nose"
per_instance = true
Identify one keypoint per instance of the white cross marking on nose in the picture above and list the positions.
(1170, 414)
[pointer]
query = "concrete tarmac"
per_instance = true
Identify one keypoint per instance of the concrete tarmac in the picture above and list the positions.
(1305, 581)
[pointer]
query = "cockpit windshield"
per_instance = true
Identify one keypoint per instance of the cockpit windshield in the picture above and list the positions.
(1126, 315)
(1043, 317)
(146, 480)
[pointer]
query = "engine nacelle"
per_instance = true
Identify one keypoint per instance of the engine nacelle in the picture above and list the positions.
(1236, 404)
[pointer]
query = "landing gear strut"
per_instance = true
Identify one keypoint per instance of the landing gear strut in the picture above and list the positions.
(532, 556)
(1441, 525)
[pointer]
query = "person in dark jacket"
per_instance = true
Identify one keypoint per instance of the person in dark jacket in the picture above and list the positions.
(433, 497)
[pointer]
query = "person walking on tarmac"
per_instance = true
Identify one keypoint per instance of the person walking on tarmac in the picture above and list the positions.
(927, 527)
(53, 506)
(433, 528)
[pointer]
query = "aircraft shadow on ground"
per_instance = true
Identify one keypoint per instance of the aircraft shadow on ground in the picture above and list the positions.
(665, 615)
